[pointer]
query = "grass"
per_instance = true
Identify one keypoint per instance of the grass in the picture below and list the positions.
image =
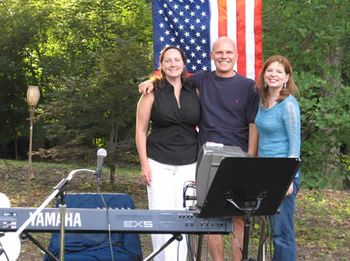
(322, 216)
(323, 224)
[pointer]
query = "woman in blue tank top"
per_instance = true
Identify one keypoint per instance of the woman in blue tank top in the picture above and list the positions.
(278, 124)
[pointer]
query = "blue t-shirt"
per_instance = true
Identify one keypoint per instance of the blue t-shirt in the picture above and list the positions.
(228, 106)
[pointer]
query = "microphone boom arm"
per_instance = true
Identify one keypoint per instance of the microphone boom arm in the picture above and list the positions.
(57, 189)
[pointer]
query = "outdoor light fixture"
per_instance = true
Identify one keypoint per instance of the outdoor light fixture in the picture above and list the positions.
(33, 96)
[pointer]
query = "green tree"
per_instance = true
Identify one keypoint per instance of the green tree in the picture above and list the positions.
(19, 33)
(105, 46)
(314, 35)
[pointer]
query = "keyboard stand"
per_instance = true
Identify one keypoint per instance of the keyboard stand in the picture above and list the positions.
(26, 234)
(176, 236)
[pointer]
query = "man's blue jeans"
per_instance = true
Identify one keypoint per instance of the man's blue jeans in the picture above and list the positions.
(283, 235)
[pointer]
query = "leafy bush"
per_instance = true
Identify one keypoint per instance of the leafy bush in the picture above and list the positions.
(325, 127)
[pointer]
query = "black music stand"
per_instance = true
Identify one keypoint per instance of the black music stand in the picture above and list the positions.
(249, 187)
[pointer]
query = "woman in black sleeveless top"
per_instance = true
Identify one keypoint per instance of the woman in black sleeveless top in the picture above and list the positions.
(167, 142)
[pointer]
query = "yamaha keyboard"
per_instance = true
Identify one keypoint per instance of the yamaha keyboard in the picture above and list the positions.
(80, 220)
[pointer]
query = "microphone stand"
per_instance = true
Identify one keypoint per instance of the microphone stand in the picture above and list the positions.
(59, 189)
(62, 208)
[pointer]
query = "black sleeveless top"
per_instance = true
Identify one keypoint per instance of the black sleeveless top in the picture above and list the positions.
(173, 138)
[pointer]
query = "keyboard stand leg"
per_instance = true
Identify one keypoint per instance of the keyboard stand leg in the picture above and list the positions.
(37, 243)
(177, 237)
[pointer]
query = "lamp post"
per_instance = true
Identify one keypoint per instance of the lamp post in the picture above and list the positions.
(33, 95)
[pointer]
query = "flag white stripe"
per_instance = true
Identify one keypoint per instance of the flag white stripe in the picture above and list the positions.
(214, 21)
(232, 22)
(214, 25)
(250, 39)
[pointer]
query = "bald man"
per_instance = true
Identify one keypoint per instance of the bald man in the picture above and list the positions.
(229, 104)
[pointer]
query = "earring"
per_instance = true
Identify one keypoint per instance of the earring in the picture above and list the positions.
(285, 85)
(265, 85)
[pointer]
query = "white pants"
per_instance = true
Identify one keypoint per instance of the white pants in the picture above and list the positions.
(166, 192)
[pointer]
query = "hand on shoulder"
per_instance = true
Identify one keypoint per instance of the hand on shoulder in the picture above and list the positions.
(146, 87)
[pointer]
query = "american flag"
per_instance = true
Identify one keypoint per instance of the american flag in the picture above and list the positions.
(193, 25)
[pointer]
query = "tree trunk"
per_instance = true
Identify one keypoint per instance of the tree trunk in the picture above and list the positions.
(111, 148)
(112, 169)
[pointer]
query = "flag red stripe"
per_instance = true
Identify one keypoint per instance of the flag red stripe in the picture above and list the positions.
(258, 37)
(222, 7)
(241, 41)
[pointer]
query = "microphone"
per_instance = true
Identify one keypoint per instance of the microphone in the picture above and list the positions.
(101, 154)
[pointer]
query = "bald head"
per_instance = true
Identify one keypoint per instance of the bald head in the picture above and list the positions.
(224, 56)
(224, 40)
